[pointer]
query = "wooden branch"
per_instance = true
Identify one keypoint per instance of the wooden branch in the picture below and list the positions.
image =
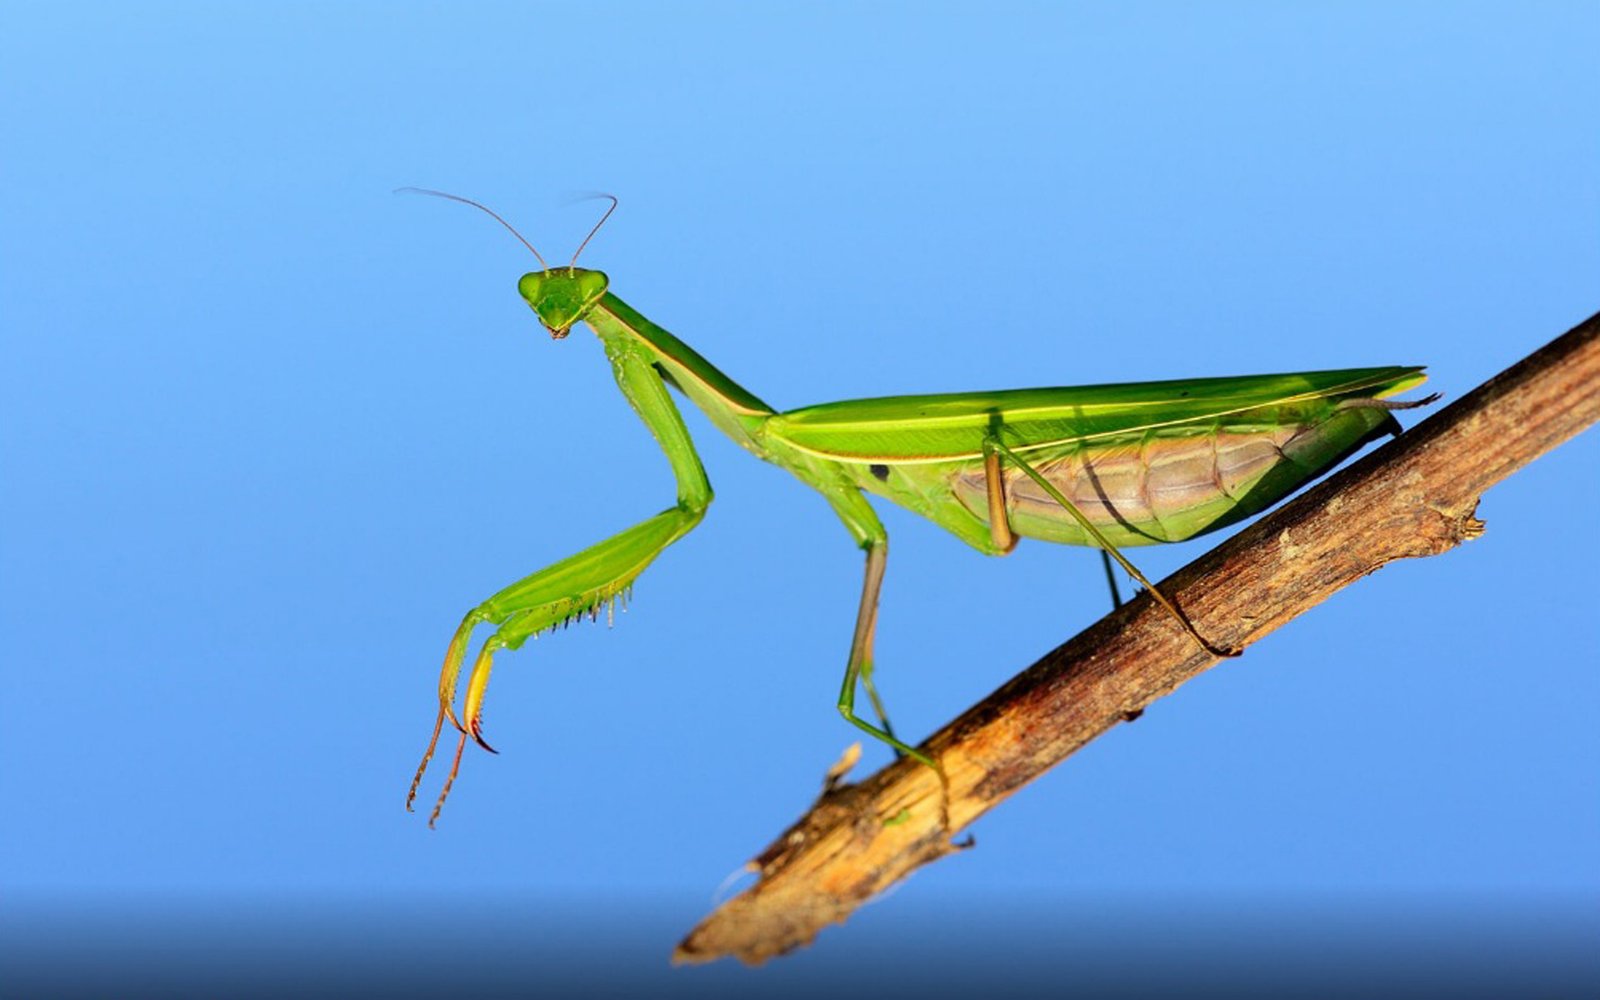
(1414, 497)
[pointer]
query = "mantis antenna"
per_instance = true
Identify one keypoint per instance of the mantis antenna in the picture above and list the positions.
(496, 216)
(596, 228)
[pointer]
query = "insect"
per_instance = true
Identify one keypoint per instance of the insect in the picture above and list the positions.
(1107, 466)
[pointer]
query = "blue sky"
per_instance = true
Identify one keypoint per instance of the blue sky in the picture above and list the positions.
(269, 430)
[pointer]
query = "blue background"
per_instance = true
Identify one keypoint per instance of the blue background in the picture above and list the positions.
(269, 430)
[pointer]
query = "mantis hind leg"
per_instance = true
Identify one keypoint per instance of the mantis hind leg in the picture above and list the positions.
(994, 449)
(1111, 580)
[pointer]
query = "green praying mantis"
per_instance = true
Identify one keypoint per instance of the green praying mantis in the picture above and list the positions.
(1107, 466)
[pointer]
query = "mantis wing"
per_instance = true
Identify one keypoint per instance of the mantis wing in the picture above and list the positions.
(941, 428)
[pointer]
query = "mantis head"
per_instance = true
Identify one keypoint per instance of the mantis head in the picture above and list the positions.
(562, 296)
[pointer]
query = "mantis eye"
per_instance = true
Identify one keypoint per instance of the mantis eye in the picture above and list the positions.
(531, 285)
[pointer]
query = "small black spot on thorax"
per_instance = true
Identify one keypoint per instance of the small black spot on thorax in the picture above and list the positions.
(880, 471)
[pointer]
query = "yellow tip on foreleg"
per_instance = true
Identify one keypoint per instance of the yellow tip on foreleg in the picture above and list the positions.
(477, 685)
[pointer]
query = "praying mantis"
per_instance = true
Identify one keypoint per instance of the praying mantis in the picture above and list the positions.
(1106, 466)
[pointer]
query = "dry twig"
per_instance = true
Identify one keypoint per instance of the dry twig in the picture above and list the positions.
(1414, 497)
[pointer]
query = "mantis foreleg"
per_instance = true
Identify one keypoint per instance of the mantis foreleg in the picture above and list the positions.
(994, 448)
(578, 585)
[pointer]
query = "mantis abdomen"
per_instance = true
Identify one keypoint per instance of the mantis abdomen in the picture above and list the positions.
(1167, 484)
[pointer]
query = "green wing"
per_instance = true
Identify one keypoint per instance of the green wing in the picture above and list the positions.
(952, 426)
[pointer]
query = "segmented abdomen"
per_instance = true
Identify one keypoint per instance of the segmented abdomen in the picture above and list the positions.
(1167, 484)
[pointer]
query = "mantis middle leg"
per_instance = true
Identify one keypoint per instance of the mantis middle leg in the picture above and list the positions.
(863, 523)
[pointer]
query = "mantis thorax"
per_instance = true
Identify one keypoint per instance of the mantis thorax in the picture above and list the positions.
(562, 295)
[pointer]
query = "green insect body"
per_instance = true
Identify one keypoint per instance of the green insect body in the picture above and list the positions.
(1106, 466)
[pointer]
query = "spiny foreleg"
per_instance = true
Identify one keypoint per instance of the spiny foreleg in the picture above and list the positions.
(575, 587)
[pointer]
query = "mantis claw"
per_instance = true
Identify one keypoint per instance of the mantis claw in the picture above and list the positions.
(477, 736)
